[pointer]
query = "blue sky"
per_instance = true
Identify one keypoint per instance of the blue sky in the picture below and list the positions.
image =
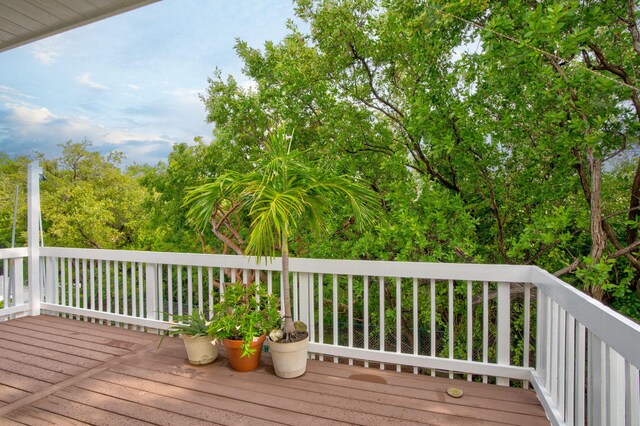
(132, 82)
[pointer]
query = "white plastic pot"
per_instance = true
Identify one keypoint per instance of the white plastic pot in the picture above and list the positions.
(289, 359)
(200, 350)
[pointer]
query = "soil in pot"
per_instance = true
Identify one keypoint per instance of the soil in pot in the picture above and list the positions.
(246, 363)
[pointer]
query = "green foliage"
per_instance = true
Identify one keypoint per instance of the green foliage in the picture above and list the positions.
(167, 228)
(279, 193)
(87, 201)
(245, 312)
(194, 325)
(477, 137)
(13, 174)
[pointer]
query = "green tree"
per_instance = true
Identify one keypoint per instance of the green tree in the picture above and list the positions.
(280, 193)
(513, 115)
(13, 173)
(87, 201)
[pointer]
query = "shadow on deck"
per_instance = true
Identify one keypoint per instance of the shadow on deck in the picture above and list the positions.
(62, 371)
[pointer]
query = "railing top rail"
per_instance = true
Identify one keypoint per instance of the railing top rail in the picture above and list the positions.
(440, 271)
(619, 332)
(192, 259)
(426, 270)
(12, 253)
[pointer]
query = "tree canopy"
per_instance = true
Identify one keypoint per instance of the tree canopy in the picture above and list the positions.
(493, 132)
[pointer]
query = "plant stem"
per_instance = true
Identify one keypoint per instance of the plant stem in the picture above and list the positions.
(289, 329)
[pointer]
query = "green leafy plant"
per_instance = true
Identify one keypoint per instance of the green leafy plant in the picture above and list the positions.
(245, 312)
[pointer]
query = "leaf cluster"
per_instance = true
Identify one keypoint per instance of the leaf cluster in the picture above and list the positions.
(195, 324)
(245, 312)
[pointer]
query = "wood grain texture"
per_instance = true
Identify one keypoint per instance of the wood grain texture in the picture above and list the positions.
(84, 372)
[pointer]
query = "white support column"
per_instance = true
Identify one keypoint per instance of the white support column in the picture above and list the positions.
(33, 235)
(595, 387)
(50, 281)
(17, 281)
(151, 282)
(305, 304)
(504, 329)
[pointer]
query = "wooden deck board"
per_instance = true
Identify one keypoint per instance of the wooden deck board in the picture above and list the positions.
(56, 370)
(82, 344)
(240, 389)
(38, 361)
(82, 327)
(10, 394)
(45, 353)
(22, 337)
(111, 341)
(84, 413)
(37, 417)
(338, 397)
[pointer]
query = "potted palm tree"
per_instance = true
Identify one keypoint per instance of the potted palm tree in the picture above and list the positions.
(193, 329)
(277, 194)
(241, 319)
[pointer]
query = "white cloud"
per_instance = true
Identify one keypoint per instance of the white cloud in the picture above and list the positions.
(134, 86)
(122, 136)
(85, 79)
(47, 51)
(185, 94)
(29, 128)
(10, 91)
(29, 116)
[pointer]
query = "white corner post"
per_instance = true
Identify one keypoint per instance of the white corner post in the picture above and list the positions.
(33, 235)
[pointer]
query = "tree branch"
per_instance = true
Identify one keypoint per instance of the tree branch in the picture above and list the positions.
(624, 251)
(632, 25)
(568, 269)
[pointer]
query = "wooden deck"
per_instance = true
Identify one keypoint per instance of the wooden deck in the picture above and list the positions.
(61, 371)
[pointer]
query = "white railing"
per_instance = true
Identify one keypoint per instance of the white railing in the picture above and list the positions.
(12, 283)
(587, 357)
(512, 325)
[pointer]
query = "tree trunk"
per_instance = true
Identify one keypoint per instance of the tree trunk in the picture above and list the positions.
(598, 237)
(289, 329)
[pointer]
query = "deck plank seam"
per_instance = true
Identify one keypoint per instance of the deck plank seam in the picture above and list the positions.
(94, 329)
(72, 380)
(270, 393)
(346, 381)
(68, 334)
(355, 386)
(66, 340)
(380, 416)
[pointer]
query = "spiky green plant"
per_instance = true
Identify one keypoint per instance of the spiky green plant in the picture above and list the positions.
(193, 325)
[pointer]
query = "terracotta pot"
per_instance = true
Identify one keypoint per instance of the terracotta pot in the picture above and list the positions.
(244, 363)
(289, 359)
(200, 350)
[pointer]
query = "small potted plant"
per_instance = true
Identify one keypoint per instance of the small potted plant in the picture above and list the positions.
(241, 320)
(193, 331)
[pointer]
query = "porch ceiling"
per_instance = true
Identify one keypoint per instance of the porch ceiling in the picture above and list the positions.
(25, 21)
